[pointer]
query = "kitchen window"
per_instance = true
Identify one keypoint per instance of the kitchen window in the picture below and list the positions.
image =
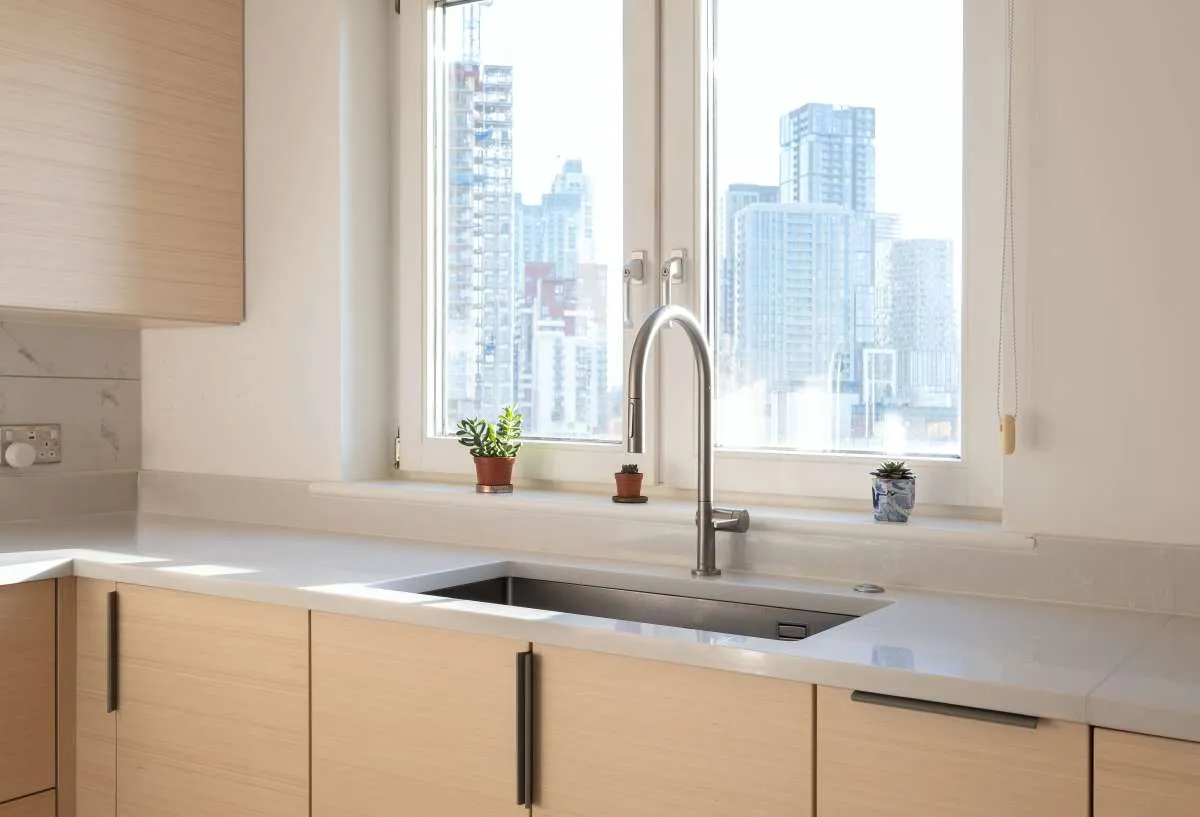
(807, 158)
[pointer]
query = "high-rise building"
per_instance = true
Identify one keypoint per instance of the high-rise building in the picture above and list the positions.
(920, 321)
(827, 156)
(559, 230)
(803, 271)
(561, 342)
(800, 262)
(478, 222)
(798, 297)
(731, 309)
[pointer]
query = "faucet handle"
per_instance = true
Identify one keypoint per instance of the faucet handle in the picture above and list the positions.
(731, 520)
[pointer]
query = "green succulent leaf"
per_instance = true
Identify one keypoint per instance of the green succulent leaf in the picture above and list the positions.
(892, 469)
(487, 440)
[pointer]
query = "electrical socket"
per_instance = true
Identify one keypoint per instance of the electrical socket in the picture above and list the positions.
(46, 440)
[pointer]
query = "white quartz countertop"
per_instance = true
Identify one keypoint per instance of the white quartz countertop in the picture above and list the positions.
(1120, 669)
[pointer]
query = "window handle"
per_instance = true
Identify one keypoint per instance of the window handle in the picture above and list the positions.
(635, 275)
(672, 273)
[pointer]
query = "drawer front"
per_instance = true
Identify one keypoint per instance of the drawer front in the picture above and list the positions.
(1143, 776)
(26, 689)
(38, 805)
(875, 759)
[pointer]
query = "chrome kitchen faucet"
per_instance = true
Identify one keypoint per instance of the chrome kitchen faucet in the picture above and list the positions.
(709, 520)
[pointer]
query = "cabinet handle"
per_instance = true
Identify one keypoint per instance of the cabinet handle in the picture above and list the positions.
(114, 677)
(951, 710)
(525, 728)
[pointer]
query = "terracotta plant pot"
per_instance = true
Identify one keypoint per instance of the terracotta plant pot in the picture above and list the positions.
(629, 486)
(493, 471)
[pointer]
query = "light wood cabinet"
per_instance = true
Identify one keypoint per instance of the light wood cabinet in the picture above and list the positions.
(882, 761)
(619, 735)
(37, 805)
(213, 707)
(411, 720)
(121, 157)
(27, 618)
(1143, 776)
(95, 756)
(211, 702)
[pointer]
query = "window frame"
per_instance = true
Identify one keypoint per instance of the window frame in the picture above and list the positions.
(421, 451)
(975, 480)
(667, 132)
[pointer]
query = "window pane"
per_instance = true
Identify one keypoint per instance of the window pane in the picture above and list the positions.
(838, 220)
(530, 214)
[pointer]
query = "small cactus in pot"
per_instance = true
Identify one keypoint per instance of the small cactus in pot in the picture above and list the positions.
(894, 493)
(629, 481)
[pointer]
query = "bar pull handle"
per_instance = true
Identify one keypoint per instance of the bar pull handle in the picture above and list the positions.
(634, 275)
(113, 667)
(525, 728)
(672, 273)
(950, 710)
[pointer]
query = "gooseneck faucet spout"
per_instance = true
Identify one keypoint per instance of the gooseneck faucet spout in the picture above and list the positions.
(709, 520)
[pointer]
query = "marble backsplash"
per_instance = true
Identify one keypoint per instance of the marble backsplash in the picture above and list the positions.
(88, 381)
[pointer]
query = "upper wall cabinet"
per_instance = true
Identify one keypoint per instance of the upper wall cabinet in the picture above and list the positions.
(121, 158)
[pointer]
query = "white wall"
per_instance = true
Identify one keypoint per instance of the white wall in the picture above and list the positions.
(1108, 208)
(1111, 403)
(299, 391)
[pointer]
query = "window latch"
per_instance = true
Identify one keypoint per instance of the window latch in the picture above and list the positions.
(634, 275)
(672, 273)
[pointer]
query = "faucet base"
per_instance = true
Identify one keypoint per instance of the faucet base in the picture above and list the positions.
(706, 574)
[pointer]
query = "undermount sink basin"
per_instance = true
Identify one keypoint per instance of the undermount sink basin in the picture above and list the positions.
(713, 615)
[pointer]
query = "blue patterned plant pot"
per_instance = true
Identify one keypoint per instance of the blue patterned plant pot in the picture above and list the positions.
(893, 499)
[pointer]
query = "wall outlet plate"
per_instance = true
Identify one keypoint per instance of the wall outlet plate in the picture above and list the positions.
(45, 438)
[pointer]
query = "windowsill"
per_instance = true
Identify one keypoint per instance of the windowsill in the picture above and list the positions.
(949, 531)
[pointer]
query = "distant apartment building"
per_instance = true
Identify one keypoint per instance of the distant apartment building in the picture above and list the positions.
(560, 365)
(827, 156)
(801, 263)
(799, 297)
(478, 222)
(731, 308)
(921, 322)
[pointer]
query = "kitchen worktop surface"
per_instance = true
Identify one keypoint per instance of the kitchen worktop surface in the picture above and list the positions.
(1120, 669)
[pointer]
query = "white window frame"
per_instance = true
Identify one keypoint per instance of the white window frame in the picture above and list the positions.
(421, 450)
(666, 136)
(975, 479)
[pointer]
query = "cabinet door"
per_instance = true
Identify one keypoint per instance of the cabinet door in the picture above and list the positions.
(95, 728)
(1142, 776)
(39, 805)
(26, 689)
(619, 735)
(213, 715)
(121, 157)
(881, 761)
(412, 720)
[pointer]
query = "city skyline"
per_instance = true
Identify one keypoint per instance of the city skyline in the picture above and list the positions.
(810, 274)
(834, 327)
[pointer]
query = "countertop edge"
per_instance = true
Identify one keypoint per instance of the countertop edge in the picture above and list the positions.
(801, 669)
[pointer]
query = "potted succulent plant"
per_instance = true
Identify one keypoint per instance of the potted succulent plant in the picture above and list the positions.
(494, 448)
(894, 492)
(629, 482)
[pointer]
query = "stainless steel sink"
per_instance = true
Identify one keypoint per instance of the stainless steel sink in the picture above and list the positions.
(731, 617)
